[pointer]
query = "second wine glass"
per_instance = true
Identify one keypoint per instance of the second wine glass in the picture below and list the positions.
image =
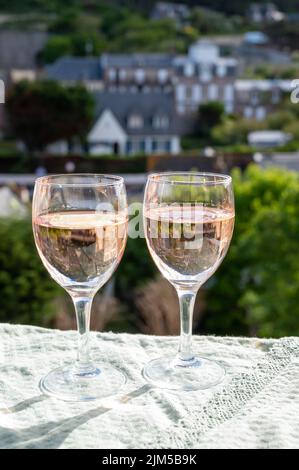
(188, 224)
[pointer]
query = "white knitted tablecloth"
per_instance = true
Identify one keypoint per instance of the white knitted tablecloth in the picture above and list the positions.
(257, 405)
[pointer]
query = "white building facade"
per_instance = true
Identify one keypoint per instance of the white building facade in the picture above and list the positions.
(202, 76)
(130, 124)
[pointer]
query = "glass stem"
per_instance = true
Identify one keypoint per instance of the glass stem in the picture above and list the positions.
(84, 364)
(187, 300)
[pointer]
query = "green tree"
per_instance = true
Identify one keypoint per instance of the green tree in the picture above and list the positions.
(232, 131)
(80, 43)
(256, 290)
(212, 22)
(135, 269)
(44, 112)
(66, 23)
(56, 46)
(87, 43)
(292, 128)
(136, 33)
(26, 289)
(210, 115)
(280, 119)
(284, 34)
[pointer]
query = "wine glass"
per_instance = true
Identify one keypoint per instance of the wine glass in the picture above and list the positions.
(188, 225)
(80, 230)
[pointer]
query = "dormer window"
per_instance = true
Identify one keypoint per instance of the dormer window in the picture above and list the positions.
(221, 70)
(162, 75)
(160, 121)
(205, 72)
(140, 75)
(189, 69)
(122, 74)
(135, 121)
(112, 74)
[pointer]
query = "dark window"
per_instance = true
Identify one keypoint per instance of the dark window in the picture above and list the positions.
(231, 71)
(116, 148)
(142, 146)
(129, 146)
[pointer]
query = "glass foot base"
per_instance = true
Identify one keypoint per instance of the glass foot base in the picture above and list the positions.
(173, 374)
(69, 385)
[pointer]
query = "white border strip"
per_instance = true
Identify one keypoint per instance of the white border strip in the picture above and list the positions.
(2, 92)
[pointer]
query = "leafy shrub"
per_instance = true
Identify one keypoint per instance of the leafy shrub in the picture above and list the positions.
(26, 289)
(232, 131)
(135, 269)
(256, 290)
(158, 308)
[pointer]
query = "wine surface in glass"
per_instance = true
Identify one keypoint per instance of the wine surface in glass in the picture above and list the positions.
(81, 249)
(188, 242)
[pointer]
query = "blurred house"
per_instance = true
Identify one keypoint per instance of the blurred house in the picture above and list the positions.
(11, 204)
(268, 139)
(147, 101)
(70, 70)
(264, 13)
(20, 49)
(186, 80)
(144, 72)
(17, 75)
(256, 38)
(179, 12)
(256, 98)
(203, 75)
(200, 76)
(256, 49)
(131, 124)
(128, 124)
(288, 160)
